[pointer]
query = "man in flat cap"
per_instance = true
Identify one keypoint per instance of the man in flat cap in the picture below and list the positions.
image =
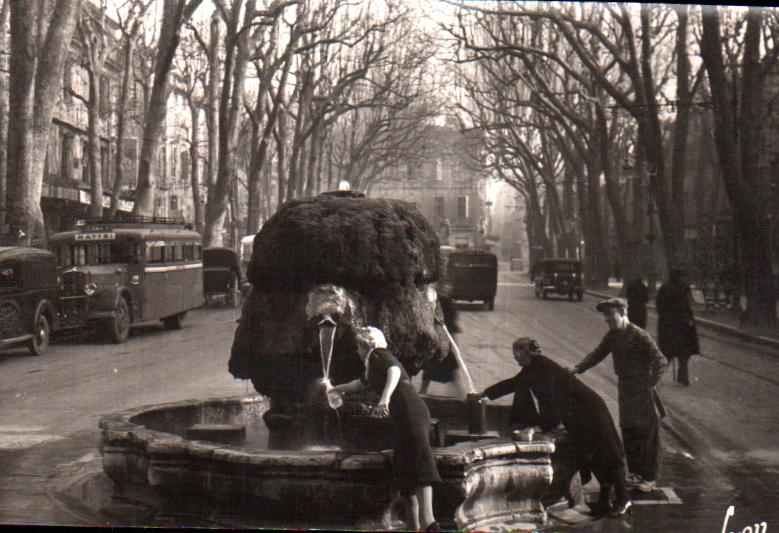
(639, 365)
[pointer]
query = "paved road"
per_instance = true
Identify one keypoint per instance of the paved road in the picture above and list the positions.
(720, 438)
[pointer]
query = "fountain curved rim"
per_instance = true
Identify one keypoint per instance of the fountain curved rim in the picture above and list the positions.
(119, 425)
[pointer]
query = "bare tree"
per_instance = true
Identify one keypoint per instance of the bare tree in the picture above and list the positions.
(738, 91)
(40, 42)
(175, 14)
(130, 24)
(4, 11)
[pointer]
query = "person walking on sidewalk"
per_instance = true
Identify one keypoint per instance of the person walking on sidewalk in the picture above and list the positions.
(677, 336)
(639, 365)
(564, 399)
(638, 296)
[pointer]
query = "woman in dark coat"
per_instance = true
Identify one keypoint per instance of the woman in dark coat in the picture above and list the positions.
(564, 399)
(414, 463)
(676, 333)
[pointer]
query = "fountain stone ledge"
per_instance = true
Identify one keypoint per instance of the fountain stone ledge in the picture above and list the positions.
(493, 482)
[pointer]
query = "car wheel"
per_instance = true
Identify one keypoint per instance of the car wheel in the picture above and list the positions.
(119, 325)
(175, 321)
(579, 296)
(41, 336)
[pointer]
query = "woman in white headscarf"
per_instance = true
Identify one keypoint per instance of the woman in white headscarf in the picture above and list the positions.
(414, 463)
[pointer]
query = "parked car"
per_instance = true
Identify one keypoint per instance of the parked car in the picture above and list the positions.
(115, 273)
(470, 275)
(559, 276)
(28, 297)
(222, 279)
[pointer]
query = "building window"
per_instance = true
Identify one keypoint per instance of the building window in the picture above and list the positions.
(174, 203)
(439, 170)
(439, 207)
(105, 95)
(462, 207)
(84, 162)
(67, 83)
(66, 159)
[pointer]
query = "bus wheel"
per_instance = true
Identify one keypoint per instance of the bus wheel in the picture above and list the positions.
(119, 325)
(40, 337)
(174, 321)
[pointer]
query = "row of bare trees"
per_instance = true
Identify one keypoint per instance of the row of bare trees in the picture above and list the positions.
(285, 98)
(300, 93)
(564, 95)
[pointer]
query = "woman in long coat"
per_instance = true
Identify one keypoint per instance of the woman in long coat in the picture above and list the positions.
(677, 336)
(415, 468)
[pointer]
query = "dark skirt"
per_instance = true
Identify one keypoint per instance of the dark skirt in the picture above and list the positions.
(414, 462)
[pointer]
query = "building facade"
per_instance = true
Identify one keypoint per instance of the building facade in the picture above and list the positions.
(446, 185)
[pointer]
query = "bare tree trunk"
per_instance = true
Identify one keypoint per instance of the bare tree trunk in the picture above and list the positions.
(738, 147)
(231, 101)
(20, 188)
(4, 12)
(35, 85)
(93, 148)
(254, 176)
(281, 156)
(121, 110)
(197, 201)
(175, 13)
(212, 102)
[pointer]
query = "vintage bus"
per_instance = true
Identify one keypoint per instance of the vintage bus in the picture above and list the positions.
(114, 274)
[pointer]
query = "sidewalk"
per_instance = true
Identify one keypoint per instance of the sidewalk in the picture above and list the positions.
(721, 320)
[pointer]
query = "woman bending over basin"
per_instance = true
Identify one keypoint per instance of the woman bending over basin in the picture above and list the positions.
(414, 464)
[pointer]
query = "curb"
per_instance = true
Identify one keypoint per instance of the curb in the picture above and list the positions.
(712, 324)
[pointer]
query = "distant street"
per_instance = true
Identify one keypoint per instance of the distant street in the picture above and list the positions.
(720, 446)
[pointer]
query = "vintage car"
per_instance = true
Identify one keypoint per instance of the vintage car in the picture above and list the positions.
(28, 297)
(119, 272)
(470, 275)
(559, 276)
(222, 279)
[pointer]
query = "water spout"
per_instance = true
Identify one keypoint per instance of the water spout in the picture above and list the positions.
(326, 336)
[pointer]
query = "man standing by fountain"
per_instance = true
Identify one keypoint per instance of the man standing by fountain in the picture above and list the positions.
(639, 365)
(414, 463)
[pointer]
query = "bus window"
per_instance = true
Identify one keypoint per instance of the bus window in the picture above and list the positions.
(170, 254)
(154, 254)
(198, 250)
(188, 252)
(103, 254)
(179, 253)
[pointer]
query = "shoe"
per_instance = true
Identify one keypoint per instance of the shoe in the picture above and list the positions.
(646, 486)
(633, 479)
(622, 508)
(434, 526)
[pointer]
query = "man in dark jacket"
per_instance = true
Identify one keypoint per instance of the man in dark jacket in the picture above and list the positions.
(676, 333)
(564, 399)
(638, 296)
(639, 365)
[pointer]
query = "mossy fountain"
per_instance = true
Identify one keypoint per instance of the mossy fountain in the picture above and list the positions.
(294, 455)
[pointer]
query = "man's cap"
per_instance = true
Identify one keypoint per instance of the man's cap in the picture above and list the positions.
(610, 303)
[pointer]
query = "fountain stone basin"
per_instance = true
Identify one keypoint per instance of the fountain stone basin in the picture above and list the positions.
(146, 451)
